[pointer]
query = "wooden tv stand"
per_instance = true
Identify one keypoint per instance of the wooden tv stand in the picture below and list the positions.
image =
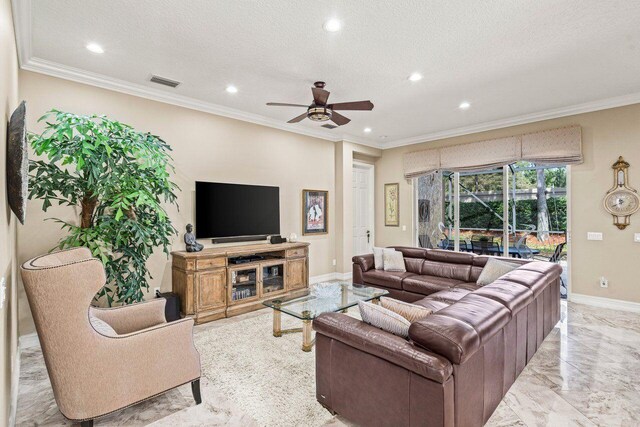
(211, 286)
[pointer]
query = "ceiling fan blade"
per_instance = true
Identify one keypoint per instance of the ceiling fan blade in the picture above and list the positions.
(339, 119)
(356, 105)
(298, 119)
(282, 104)
(320, 96)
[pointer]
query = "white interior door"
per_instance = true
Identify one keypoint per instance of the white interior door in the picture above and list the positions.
(362, 209)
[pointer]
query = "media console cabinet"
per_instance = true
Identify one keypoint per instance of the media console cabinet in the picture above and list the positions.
(211, 286)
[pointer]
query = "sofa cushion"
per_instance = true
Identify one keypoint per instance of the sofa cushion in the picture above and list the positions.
(533, 280)
(411, 312)
(450, 295)
(451, 257)
(384, 319)
(414, 265)
(459, 330)
(431, 304)
(378, 260)
(470, 286)
(427, 285)
(393, 261)
(387, 279)
(409, 252)
(514, 296)
(493, 270)
(449, 270)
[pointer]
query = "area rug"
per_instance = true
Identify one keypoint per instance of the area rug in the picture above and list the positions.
(269, 378)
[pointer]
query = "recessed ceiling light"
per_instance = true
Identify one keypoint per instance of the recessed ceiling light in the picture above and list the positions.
(232, 89)
(95, 48)
(415, 77)
(332, 25)
(383, 137)
(464, 105)
(367, 130)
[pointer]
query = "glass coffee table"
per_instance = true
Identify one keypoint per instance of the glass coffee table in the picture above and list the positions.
(330, 297)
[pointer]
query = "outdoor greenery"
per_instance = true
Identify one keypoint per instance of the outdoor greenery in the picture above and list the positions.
(118, 178)
(475, 215)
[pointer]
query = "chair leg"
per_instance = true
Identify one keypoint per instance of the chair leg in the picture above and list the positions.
(195, 389)
(88, 423)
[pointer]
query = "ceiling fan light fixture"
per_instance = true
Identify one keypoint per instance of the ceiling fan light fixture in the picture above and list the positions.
(332, 25)
(95, 48)
(319, 114)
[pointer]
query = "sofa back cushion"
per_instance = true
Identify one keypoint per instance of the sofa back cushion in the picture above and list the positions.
(447, 270)
(458, 331)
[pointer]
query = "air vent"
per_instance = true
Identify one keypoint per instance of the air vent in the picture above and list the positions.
(328, 126)
(164, 81)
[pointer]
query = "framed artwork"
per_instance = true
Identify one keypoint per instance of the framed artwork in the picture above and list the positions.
(392, 205)
(315, 212)
(17, 163)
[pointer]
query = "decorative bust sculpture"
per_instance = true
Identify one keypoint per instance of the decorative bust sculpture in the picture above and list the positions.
(190, 240)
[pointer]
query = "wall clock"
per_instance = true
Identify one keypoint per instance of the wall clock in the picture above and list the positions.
(621, 201)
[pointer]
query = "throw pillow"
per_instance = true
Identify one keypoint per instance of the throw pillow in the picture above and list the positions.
(102, 327)
(494, 269)
(393, 261)
(411, 312)
(384, 319)
(378, 261)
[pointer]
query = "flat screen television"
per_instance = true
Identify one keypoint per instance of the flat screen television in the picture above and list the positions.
(236, 212)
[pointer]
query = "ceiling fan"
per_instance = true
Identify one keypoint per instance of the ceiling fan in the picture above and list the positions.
(320, 111)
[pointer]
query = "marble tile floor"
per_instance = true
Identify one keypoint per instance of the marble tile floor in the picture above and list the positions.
(585, 374)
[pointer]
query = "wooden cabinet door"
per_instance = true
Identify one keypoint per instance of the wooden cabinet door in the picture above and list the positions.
(212, 287)
(296, 273)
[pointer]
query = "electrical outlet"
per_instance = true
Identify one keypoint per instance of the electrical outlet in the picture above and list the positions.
(592, 235)
(636, 237)
(334, 262)
(156, 290)
(404, 228)
(604, 283)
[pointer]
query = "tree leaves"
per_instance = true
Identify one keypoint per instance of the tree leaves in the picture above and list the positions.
(128, 173)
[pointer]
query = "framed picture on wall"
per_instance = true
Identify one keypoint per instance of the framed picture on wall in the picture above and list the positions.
(315, 212)
(392, 205)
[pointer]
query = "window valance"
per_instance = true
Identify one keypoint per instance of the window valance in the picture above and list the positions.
(561, 146)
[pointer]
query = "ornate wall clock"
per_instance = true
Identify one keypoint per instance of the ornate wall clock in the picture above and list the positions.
(621, 201)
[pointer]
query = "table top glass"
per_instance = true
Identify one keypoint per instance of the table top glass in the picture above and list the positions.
(332, 297)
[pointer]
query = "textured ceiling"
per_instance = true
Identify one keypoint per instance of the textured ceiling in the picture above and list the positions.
(507, 58)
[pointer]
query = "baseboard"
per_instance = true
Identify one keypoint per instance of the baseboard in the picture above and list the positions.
(28, 341)
(15, 380)
(329, 277)
(613, 304)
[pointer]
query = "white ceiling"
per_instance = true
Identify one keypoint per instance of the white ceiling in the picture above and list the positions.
(514, 61)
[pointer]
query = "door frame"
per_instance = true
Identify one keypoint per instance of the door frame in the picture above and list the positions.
(357, 164)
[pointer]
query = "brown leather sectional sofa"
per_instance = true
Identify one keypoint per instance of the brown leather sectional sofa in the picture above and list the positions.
(458, 363)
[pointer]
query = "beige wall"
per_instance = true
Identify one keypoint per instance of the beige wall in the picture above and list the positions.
(207, 148)
(606, 135)
(8, 314)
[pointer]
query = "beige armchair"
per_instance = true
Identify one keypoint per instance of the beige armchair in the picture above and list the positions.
(135, 356)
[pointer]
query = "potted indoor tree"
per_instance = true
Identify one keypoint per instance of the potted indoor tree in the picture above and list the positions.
(118, 178)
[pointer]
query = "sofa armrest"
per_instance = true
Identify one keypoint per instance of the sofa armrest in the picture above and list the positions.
(366, 262)
(366, 338)
(132, 317)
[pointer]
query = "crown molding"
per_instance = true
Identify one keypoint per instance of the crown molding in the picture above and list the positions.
(587, 107)
(98, 80)
(23, 24)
